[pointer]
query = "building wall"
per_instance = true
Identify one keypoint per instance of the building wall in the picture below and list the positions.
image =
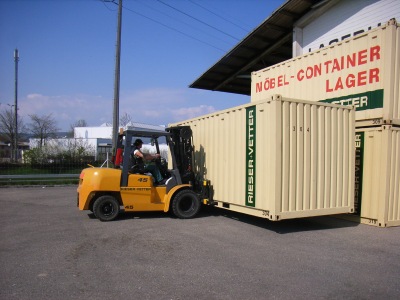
(343, 20)
(102, 132)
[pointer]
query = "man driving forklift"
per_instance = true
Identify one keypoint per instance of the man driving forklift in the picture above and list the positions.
(140, 162)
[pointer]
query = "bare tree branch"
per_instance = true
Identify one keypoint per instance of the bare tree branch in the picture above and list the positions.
(125, 120)
(43, 127)
(7, 126)
(79, 123)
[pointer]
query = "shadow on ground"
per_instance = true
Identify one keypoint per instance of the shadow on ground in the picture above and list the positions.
(281, 227)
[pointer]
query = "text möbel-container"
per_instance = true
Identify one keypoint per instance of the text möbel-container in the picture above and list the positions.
(363, 71)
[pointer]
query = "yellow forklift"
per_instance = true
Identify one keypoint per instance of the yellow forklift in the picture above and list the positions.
(105, 190)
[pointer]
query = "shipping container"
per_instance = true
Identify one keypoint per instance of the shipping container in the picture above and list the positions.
(278, 158)
(362, 71)
(377, 176)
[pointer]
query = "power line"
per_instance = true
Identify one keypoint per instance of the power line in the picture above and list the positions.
(223, 18)
(185, 23)
(109, 1)
(167, 26)
(174, 29)
(198, 20)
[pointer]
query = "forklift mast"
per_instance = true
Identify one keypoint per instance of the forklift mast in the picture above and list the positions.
(182, 148)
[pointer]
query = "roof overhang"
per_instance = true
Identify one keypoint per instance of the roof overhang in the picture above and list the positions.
(268, 44)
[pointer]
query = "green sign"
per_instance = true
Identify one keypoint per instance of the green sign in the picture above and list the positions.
(251, 156)
(363, 101)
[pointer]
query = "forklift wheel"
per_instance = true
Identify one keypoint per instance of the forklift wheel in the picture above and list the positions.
(106, 208)
(185, 204)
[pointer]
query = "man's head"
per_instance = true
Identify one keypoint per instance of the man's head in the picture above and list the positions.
(138, 143)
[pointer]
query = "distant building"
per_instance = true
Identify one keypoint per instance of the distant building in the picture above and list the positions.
(5, 149)
(104, 131)
(100, 138)
(97, 139)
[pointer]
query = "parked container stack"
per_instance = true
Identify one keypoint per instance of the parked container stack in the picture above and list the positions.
(363, 71)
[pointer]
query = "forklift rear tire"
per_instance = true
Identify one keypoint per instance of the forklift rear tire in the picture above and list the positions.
(185, 204)
(106, 208)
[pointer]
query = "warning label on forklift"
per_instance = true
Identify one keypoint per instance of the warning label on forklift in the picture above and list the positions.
(251, 156)
(136, 189)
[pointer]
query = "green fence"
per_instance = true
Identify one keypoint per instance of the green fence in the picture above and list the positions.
(53, 172)
(59, 162)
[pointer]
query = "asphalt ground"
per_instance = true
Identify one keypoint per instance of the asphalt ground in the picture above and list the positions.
(51, 250)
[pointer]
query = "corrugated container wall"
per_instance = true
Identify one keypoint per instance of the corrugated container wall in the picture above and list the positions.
(362, 71)
(377, 175)
(278, 158)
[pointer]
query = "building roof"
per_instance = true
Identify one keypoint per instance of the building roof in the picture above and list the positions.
(104, 131)
(270, 43)
(142, 126)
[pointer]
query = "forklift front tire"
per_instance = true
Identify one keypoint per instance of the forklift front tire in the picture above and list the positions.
(106, 208)
(185, 204)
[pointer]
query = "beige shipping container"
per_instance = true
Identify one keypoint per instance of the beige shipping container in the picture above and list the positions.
(377, 176)
(362, 71)
(278, 158)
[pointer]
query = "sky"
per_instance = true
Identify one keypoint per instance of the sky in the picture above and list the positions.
(67, 57)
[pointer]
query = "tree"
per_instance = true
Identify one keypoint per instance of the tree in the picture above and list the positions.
(60, 151)
(43, 127)
(125, 120)
(7, 127)
(79, 123)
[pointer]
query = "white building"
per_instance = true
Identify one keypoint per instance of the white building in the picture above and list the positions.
(336, 20)
(98, 140)
(101, 137)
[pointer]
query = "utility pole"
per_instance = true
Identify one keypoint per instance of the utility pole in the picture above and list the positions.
(117, 81)
(16, 59)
